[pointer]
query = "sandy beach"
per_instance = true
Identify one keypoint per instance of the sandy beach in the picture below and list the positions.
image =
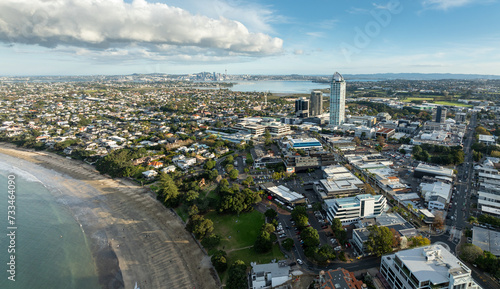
(133, 237)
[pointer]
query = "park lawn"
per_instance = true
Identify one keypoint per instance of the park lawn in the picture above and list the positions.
(409, 99)
(249, 255)
(236, 231)
(453, 103)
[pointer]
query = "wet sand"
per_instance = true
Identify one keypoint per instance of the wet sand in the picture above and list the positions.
(133, 237)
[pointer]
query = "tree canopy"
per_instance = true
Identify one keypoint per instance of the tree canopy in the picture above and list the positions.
(380, 240)
(237, 276)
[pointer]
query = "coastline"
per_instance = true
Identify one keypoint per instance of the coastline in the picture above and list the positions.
(132, 236)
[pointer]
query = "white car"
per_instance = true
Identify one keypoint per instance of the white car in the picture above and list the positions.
(300, 262)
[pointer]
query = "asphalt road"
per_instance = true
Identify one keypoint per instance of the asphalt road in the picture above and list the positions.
(461, 203)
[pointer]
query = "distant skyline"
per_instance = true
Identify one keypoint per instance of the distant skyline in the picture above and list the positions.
(70, 37)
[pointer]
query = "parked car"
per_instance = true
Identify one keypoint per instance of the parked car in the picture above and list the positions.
(300, 262)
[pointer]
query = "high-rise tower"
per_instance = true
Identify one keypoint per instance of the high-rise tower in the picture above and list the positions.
(337, 100)
(302, 107)
(316, 102)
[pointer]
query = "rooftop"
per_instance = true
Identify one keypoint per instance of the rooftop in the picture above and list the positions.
(431, 263)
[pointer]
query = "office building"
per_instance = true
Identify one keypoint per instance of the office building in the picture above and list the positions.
(426, 267)
(316, 102)
(441, 114)
(302, 107)
(350, 210)
(337, 100)
(461, 117)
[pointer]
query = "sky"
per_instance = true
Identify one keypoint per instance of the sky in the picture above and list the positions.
(315, 37)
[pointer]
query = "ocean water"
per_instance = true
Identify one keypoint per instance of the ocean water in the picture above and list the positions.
(51, 248)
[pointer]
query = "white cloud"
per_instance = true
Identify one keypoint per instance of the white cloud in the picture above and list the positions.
(298, 52)
(109, 24)
(447, 4)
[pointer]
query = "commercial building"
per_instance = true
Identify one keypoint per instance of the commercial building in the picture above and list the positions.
(277, 129)
(314, 159)
(302, 107)
(351, 209)
(401, 228)
(426, 267)
(263, 276)
(441, 114)
(428, 170)
(250, 127)
(460, 117)
(338, 182)
(487, 139)
(364, 120)
(284, 194)
(303, 143)
(489, 187)
(337, 100)
(386, 132)
(316, 101)
(486, 239)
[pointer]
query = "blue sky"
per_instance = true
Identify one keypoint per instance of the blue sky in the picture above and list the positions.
(76, 37)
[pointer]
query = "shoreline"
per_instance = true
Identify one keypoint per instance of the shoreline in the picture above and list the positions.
(132, 236)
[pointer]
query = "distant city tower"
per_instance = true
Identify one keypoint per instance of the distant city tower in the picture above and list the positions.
(316, 101)
(337, 100)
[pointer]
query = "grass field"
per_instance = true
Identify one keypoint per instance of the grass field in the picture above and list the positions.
(248, 255)
(237, 232)
(409, 99)
(453, 103)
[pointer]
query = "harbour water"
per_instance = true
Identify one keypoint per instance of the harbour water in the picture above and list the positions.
(278, 86)
(51, 249)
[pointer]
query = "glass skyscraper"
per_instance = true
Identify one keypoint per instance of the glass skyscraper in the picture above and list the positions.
(337, 100)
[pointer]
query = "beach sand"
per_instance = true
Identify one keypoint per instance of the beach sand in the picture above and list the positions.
(133, 237)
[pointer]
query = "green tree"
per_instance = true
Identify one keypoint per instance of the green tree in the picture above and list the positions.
(379, 240)
(310, 237)
(419, 241)
(298, 210)
(267, 227)
(270, 214)
(287, 244)
(193, 210)
(324, 253)
(191, 195)
(337, 225)
(233, 174)
(219, 261)
(237, 276)
(168, 189)
(212, 175)
(210, 164)
(199, 226)
(211, 241)
(263, 242)
(470, 252)
(301, 221)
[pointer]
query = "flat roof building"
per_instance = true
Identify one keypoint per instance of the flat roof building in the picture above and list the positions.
(269, 275)
(426, 267)
(351, 209)
(487, 240)
(428, 170)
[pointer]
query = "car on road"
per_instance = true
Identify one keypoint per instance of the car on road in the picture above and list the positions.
(282, 236)
(300, 262)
